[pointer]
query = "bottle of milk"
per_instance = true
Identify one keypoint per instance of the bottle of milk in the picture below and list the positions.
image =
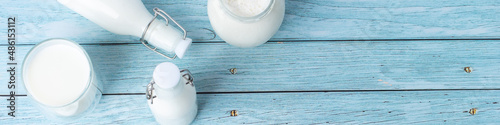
(130, 17)
(171, 95)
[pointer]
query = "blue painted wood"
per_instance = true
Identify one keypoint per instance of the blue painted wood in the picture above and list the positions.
(304, 66)
(304, 20)
(305, 55)
(411, 107)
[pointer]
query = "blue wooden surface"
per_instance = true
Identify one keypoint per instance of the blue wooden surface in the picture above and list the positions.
(304, 20)
(296, 66)
(403, 107)
(331, 62)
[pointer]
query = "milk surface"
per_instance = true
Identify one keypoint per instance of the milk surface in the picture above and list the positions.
(246, 32)
(57, 74)
(246, 8)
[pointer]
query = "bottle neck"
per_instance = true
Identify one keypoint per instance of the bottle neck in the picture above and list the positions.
(163, 36)
(164, 93)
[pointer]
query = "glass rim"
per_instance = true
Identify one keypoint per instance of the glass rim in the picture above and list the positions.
(28, 57)
(248, 19)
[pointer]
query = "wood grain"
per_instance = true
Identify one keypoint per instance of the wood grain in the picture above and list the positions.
(304, 20)
(331, 62)
(411, 107)
(305, 66)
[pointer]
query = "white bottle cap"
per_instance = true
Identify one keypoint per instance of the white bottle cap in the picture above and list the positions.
(181, 48)
(166, 75)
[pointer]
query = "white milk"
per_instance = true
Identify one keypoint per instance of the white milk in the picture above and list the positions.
(175, 101)
(58, 75)
(246, 8)
(246, 23)
(130, 17)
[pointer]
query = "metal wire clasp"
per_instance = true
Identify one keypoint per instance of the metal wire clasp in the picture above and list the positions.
(149, 91)
(164, 15)
(186, 74)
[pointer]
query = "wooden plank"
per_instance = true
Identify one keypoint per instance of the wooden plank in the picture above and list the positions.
(403, 107)
(305, 66)
(304, 20)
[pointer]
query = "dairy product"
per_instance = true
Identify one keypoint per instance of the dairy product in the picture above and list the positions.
(246, 8)
(173, 102)
(130, 17)
(59, 76)
(246, 23)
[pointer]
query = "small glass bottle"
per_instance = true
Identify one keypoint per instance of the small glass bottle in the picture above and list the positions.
(171, 95)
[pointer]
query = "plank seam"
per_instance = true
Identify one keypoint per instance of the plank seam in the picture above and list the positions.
(313, 91)
(299, 40)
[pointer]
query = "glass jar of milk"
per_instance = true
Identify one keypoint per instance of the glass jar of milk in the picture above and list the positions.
(171, 95)
(59, 77)
(246, 23)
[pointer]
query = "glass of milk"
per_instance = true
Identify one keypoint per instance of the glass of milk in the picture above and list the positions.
(246, 23)
(59, 77)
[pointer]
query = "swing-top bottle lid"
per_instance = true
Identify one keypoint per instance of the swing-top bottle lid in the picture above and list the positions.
(182, 46)
(166, 75)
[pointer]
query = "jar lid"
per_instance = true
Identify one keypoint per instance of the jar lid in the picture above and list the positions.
(166, 75)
